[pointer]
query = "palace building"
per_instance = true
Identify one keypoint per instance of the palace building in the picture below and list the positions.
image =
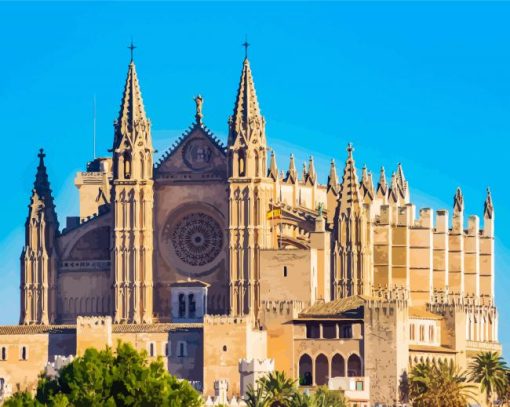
(228, 267)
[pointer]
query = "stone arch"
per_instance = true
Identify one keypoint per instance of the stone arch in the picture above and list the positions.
(305, 370)
(354, 366)
(338, 366)
(321, 370)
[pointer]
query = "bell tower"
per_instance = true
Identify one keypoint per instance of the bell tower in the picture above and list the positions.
(250, 190)
(39, 256)
(132, 204)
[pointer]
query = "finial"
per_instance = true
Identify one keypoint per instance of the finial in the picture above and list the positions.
(199, 100)
(41, 154)
(246, 44)
(350, 149)
(132, 48)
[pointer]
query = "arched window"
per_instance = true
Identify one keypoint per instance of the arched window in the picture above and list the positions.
(431, 333)
(182, 306)
(305, 370)
(127, 165)
(321, 370)
(242, 164)
(191, 306)
(354, 366)
(338, 366)
(152, 349)
(411, 332)
(3, 355)
(422, 333)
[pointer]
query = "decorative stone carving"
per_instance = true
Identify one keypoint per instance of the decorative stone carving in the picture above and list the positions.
(197, 239)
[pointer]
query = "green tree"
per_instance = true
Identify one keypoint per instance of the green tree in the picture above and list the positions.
(323, 397)
(490, 371)
(105, 378)
(20, 399)
(441, 384)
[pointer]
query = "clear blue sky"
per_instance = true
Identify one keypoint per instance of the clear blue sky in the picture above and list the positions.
(425, 84)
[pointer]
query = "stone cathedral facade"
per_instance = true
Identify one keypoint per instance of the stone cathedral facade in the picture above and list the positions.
(227, 267)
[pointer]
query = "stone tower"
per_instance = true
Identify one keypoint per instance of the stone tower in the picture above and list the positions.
(132, 204)
(39, 256)
(249, 193)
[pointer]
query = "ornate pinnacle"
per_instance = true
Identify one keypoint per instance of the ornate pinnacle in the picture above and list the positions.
(350, 149)
(488, 210)
(458, 201)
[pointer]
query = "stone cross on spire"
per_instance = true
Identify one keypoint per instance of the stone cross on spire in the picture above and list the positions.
(132, 47)
(245, 45)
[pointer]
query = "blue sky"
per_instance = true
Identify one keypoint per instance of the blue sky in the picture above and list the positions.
(425, 84)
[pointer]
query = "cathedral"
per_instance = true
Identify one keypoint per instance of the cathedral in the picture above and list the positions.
(228, 267)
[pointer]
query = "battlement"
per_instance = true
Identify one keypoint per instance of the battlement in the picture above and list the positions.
(256, 365)
(94, 321)
(280, 307)
(226, 320)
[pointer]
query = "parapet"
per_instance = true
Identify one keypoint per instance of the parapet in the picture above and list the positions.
(256, 365)
(225, 320)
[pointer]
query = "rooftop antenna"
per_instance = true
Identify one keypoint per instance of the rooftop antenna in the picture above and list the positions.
(94, 134)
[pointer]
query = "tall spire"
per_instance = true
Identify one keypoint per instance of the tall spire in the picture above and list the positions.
(246, 121)
(291, 176)
(42, 187)
(458, 201)
(273, 169)
(132, 121)
(349, 193)
(402, 182)
(488, 207)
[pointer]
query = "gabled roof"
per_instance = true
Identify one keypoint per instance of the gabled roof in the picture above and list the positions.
(339, 308)
(182, 139)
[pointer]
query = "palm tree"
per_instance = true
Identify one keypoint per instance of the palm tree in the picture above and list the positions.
(256, 397)
(489, 369)
(278, 389)
(441, 384)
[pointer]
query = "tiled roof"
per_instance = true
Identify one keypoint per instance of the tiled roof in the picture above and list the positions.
(189, 283)
(430, 349)
(153, 328)
(422, 313)
(341, 307)
(35, 329)
(116, 328)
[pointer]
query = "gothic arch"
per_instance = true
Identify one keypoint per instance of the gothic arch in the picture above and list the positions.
(338, 366)
(305, 370)
(321, 370)
(354, 366)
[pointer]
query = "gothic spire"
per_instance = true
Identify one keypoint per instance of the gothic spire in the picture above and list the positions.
(382, 186)
(291, 176)
(311, 176)
(333, 178)
(393, 193)
(488, 207)
(42, 186)
(132, 121)
(401, 181)
(367, 186)
(246, 120)
(349, 193)
(273, 169)
(458, 201)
